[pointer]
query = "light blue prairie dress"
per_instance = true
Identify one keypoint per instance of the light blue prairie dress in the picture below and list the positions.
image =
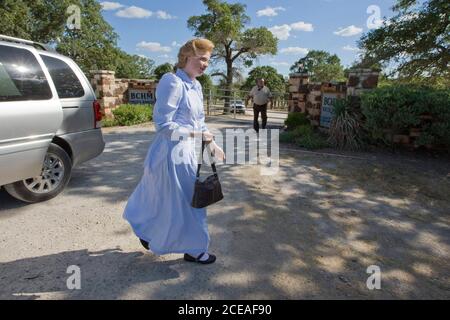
(159, 210)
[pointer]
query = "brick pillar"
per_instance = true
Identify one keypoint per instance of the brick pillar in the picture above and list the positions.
(314, 103)
(360, 80)
(298, 87)
(103, 82)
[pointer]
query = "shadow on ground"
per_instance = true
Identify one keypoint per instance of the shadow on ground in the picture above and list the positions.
(310, 231)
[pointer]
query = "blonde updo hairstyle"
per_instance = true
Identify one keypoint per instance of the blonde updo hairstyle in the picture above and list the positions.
(192, 48)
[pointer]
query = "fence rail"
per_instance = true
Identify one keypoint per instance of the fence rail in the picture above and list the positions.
(223, 101)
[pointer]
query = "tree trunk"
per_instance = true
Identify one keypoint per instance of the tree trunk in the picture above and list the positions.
(228, 93)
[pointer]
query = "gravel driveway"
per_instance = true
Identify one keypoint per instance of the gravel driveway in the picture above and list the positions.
(311, 231)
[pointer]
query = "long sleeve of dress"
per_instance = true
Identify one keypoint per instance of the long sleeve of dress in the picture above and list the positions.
(168, 96)
(202, 115)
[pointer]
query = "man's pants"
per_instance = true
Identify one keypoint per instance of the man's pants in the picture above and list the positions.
(256, 110)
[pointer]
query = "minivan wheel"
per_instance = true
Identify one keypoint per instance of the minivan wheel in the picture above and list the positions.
(54, 177)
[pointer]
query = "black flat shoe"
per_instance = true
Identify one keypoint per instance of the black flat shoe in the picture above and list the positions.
(144, 244)
(210, 259)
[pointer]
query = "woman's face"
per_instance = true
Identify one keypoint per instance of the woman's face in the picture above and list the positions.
(196, 65)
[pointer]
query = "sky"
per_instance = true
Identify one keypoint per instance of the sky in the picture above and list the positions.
(157, 28)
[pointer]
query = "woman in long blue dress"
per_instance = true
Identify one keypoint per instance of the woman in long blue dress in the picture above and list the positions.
(159, 210)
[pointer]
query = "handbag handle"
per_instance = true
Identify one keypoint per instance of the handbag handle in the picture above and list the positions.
(213, 165)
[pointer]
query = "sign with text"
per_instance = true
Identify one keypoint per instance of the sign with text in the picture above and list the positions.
(327, 111)
(140, 96)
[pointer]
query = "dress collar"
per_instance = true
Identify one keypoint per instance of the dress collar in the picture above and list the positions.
(184, 76)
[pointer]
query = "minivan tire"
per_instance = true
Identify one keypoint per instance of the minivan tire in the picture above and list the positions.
(55, 157)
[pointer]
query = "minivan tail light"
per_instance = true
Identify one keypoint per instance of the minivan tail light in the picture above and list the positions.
(97, 114)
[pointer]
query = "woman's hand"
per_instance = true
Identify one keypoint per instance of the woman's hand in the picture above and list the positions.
(217, 151)
(208, 137)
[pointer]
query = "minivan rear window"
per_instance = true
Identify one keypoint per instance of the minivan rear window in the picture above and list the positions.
(21, 76)
(66, 82)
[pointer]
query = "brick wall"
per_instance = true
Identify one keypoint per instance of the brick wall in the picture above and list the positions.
(306, 97)
(112, 92)
(360, 80)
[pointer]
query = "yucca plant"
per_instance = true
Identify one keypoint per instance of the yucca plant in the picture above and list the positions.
(346, 131)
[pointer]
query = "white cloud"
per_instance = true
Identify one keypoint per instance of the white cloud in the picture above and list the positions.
(295, 50)
(106, 5)
(269, 12)
(134, 12)
(281, 32)
(302, 26)
(164, 15)
(280, 64)
(350, 48)
(152, 47)
(176, 44)
(348, 31)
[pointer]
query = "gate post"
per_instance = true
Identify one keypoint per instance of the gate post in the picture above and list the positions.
(234, 103)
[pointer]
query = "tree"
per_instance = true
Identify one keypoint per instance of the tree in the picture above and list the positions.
(41, 21)
(273, 80)
(162, 69)
(134, 66)
(94, 46)
(416, 41)
(224, 25)
(206, 82)
(322, 66)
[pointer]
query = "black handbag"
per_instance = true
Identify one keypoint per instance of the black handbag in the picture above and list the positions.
(208, 191)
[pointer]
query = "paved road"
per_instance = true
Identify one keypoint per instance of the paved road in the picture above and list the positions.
(308, 232)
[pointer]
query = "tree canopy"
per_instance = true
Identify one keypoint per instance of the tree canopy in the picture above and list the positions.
(224, 24)
(134, 66)
(321, 65)
(162, 69)
(206, 82)
(416, 41)
(273, 80)
(93, 46)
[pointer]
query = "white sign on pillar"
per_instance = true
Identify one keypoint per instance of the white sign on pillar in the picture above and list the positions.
(327, 110)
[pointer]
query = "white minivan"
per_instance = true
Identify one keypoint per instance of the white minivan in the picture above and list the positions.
(50, 120)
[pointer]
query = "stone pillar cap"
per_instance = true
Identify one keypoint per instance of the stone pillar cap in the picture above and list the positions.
(303, 74)
(103, 72)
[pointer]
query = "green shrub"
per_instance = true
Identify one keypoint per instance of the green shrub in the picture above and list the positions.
(287, 137)
(295, 119)
(346, 131)
(109, 122)
(396, 109)
(128, 114)
(312, 141)
(303, 130)
(304, 136)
